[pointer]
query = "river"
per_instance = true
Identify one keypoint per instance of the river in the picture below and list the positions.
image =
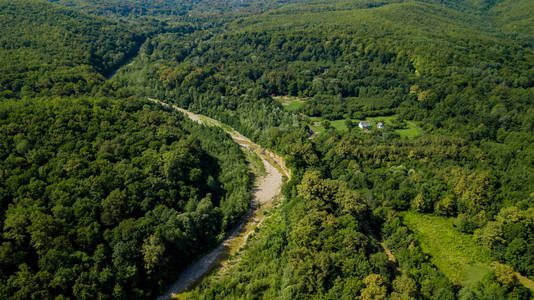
(266, 189)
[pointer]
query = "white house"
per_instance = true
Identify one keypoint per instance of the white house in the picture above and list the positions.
(364, 125)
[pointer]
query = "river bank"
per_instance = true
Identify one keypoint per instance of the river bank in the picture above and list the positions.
(266, 189)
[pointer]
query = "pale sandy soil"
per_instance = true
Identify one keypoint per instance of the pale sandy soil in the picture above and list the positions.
(266, 189)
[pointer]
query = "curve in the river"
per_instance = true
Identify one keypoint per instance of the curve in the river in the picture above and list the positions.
(265, 190)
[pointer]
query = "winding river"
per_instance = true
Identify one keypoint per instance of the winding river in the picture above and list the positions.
(266, 189)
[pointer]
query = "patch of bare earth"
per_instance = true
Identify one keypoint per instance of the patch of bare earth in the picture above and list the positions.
(266, 189)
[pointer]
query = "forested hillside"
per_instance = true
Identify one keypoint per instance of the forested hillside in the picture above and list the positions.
(449, 75)
(109, 199)
(457, 70)
(376, 62)
(323, 242)
(510, 17)
(99, 197)
(49, 50)
(169, 9)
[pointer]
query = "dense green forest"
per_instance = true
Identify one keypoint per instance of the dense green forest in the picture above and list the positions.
(353, 63)
(169, 9)
(109, 199)
(462, 74)
(49, 50)
(323, 242)
(108, 196)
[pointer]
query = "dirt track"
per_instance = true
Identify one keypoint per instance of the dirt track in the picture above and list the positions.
(266, 189)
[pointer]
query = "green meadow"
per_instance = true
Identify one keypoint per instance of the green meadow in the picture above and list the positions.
(456, 254)
(411, 131)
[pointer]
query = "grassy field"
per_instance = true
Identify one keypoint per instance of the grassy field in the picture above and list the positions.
(413, 130)
(456, 254)
(337, 124)
(290, 103)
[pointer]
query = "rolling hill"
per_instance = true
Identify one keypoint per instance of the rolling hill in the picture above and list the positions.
(46, 49)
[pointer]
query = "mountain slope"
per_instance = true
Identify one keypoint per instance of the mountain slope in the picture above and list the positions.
(49, 50)
(103, 198)
(169, 9)
(450, 69)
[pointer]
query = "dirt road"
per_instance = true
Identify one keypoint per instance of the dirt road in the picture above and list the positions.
(266, 189)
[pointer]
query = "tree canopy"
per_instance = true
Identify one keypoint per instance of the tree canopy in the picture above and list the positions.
(102, 198)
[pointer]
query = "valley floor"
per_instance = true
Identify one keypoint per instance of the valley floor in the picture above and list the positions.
(266, 189)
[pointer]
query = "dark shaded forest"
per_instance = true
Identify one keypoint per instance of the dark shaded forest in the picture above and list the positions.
(103, 198)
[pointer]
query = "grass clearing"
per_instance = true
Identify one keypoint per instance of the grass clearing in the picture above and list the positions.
(293, 106)
(339, 125)
(456, 254)
(387, 120)
(411, 131)
(290, 103)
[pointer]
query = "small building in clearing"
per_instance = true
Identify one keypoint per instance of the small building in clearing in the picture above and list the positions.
(380, 125)
(364, 125)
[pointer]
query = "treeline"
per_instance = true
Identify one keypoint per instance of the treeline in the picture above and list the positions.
(170, 9)
(103, 198)
(48, 50)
